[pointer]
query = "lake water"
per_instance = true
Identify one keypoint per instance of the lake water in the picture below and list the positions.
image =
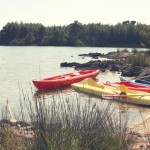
(20, 65)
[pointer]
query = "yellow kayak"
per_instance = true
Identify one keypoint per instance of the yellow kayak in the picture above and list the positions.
(88, 85)
(120, 93)
(132, 96)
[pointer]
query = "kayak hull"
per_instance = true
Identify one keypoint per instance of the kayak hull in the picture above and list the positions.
(131, 86)
(65, 79)
(113, 93)
(133, 96)
(135, 81)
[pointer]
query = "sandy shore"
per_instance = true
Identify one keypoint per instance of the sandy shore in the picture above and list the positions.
(140, 134)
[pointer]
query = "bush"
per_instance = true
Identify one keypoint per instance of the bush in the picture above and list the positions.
(71, 124)
(147, 53)
(135, 51)
(125, 50)
(139, 60)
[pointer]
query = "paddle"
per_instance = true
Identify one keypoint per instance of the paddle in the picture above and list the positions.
(123, 95)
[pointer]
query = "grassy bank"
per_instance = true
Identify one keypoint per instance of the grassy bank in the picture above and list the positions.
(141, 58)
(138, 58)
(66, 124)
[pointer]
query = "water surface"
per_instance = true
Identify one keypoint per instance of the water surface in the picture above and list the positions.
(20, 65)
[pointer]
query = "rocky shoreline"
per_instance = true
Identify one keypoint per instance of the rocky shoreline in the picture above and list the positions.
(18, 128)
(116, 62)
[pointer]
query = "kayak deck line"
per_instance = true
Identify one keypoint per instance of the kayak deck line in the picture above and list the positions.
(121, 93)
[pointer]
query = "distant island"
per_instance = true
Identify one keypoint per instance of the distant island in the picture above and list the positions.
(125, 34)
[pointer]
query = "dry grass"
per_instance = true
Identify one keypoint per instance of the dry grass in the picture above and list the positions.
(68, 124)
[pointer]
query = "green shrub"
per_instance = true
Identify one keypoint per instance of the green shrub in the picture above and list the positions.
(147, 53)
(69, 124)
(135, 51)
(125, 50)
(10, 141)
(118, 51)
(139, 60)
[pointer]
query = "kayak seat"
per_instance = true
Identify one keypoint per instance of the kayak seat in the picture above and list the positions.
(93, 83)
(123, 95)
(107, 82)
(77, 74)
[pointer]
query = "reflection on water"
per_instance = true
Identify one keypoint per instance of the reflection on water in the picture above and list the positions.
(49, 92)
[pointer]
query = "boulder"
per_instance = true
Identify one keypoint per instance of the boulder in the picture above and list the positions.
(135, 71)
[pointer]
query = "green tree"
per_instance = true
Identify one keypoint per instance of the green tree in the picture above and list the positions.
(145, 35)
(75, 31)
(29, 39)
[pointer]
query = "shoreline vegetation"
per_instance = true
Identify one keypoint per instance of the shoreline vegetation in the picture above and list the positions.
(124, 34)
(57, 123)
(65, 124)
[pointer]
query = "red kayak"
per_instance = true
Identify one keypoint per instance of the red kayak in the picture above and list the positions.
(131, 86)
(64, 79)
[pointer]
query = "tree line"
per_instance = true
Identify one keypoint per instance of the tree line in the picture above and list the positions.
(125, 34)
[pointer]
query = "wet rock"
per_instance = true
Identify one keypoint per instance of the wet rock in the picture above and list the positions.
(93, 55)
(65, 64)
(135, 71)
(126, 73)
(114, 67)
(117, 63)
(145, 74)
(130, 71)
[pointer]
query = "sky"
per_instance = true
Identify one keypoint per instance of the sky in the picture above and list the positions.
(64, 12)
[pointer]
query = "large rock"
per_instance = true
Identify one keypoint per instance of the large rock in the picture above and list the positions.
(129, 71)
(135, 71)
(145, 74)
(65, 64)
(93, 55)
(115, 67)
